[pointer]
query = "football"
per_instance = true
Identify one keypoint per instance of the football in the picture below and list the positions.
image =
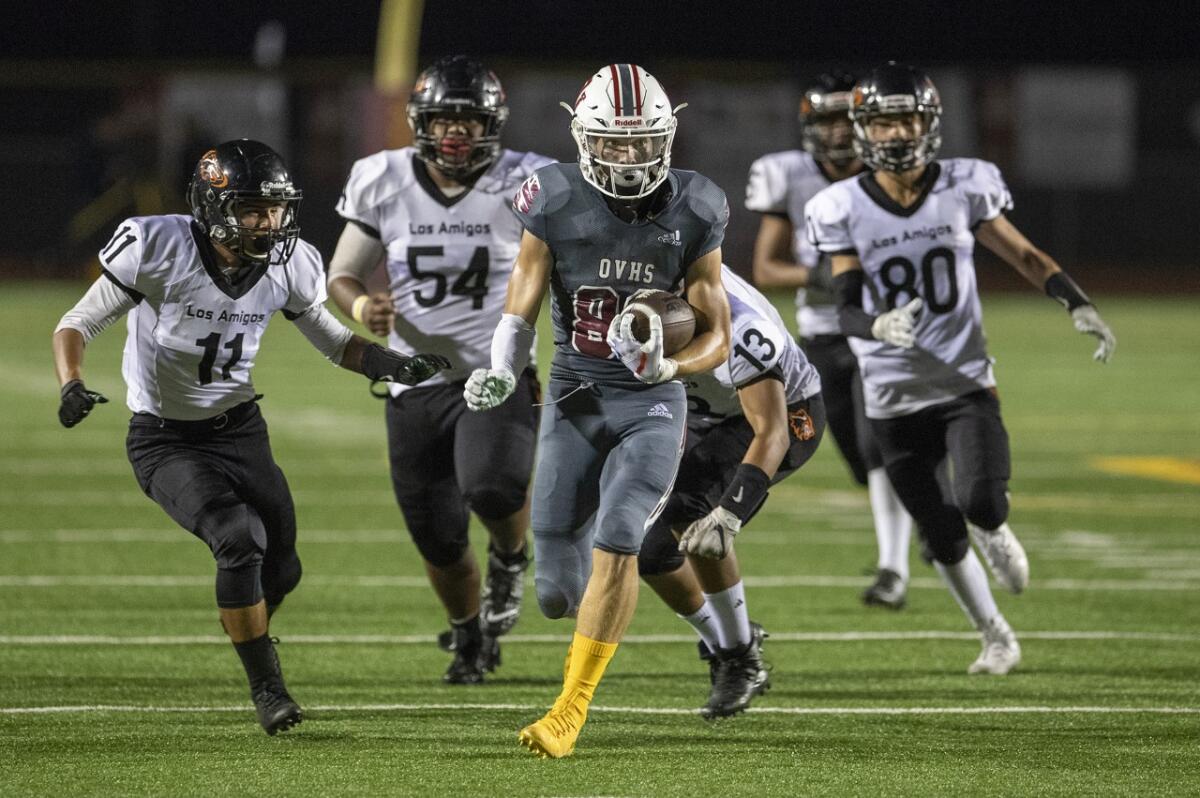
(678, 319)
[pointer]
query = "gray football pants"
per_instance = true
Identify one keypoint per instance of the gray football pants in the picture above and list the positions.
(607, 458)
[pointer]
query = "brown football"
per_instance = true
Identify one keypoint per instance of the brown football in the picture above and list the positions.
(678, 319)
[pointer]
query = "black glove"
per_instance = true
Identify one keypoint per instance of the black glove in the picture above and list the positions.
(77, 402)
(387, 366)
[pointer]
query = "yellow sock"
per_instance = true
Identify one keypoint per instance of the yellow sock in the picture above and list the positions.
(585, 668)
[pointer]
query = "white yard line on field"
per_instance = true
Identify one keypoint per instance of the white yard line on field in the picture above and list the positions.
(761, 582)
(405, 640)
(339, 708)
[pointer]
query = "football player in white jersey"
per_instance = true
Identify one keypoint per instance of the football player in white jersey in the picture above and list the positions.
(780, 185)
(437, 215)
(902, 241)
(751, 422)
(199, 292)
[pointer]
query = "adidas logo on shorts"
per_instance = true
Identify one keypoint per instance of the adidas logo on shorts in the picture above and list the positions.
(660, 410)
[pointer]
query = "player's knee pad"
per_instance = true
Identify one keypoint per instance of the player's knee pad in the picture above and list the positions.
(984, 502)
(239, 587)
(438, 547)
(495, 500)
(280, 576)
(621, 529)
(944, 538)
(557, 600)
(562, 568)
(660, 552)
(236, 536)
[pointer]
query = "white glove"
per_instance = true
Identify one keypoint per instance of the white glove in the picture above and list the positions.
(646, 360)
(896, 326)
(487, 388)
(711, 536)
(1087, 320)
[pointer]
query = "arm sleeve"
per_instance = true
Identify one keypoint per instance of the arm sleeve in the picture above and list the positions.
(103, 304)
(357, 255)
(827, 225)
(511, 344)
(987, 195)
(324, 332)
(852, 319)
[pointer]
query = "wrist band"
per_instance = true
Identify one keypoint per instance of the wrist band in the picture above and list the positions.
(747, 491)
(357, 308)
(1060, 287)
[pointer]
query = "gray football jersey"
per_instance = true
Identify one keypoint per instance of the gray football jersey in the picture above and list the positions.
(601, 261)
(927, 251)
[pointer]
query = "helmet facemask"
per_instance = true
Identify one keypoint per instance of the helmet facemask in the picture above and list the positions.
(625, 164)
(827, 133)
(272, 245)
(899, 154)
(457, 156)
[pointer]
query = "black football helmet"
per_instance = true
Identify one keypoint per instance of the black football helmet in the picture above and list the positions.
(232, 173)
(457, 84)
(827, 100)
(890, 90)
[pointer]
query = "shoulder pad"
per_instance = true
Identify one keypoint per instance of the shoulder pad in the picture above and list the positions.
(372, 180)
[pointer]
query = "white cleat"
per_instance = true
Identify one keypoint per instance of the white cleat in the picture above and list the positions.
(1004, 555)
(1001, 651)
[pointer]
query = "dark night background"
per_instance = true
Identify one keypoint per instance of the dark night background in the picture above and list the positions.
(82, 88)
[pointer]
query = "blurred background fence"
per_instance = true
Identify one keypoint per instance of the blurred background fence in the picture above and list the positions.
(1103, 159)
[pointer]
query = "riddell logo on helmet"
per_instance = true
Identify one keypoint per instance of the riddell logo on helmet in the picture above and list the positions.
(634, 122)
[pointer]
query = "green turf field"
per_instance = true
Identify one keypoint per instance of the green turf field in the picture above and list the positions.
(115, 680)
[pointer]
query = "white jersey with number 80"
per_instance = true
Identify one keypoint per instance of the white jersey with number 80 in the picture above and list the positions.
(923, 251)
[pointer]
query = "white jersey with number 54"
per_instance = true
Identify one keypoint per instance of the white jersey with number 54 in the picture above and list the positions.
(448, 259)
(925, 250)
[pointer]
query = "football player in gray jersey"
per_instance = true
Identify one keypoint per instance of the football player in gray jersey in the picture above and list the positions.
(619, 221)
(199, 292)
(756, 419)
(902, 240)
(780, 185)
(437, 215)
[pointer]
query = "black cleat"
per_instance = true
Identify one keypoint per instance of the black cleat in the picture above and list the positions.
(275, 708)
(474, 653)
(738, 676)
(888, 590)
(500, 606)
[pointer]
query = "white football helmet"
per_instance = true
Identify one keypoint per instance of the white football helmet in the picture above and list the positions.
(624, 124)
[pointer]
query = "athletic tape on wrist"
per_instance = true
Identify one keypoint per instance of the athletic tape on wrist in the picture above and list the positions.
(747, 491)
(357, 308)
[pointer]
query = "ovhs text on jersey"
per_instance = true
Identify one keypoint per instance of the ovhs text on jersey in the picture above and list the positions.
(633, 270)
